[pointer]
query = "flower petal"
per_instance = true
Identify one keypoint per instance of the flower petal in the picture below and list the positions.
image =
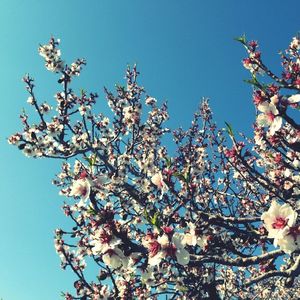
(183, 256)
(263, 120)
(294, 98)
(155, 260)
(264, 107)
(276, 124)
(273, 109)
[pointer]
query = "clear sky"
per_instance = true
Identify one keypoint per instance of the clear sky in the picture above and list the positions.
(184, 50)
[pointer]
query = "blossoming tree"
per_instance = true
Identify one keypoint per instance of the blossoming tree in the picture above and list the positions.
(215, 219)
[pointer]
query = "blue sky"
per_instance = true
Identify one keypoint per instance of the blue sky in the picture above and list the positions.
(184, 50)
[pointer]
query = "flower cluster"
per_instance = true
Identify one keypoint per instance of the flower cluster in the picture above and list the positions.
(52, 54)
(197, 220)
(169, 244)
(280, 222)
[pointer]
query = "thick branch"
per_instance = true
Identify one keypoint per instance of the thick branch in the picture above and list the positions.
(238, 262)
(290, 273)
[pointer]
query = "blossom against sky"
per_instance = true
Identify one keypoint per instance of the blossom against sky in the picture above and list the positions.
(184, 50)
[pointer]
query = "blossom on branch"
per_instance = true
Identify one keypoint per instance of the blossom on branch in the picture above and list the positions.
(169, 245)
(158, 180)
(202, 239)
(193, 238)
(269, 117)
(81, 188)
(294, 98)
(279, 220)
(52, 55)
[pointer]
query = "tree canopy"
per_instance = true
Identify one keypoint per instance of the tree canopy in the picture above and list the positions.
(216, 218)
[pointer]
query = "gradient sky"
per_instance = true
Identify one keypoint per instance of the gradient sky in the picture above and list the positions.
(184, 50)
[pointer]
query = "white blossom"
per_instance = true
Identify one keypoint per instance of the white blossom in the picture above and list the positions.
(269, 117)
(192, 239)
(278, 219)
(81, 188)
(294, 98)
(158, 180)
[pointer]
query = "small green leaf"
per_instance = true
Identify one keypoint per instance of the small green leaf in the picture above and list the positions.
(94, 159)
(180, 176)
(241, 39)
(187, 176)
(88, 160)
(182, 289)
(229, 129)
(168, 162)
(146, 215)
(155, 220)
(91, 160)
(253, 81)
(91, 211)
(256, 83)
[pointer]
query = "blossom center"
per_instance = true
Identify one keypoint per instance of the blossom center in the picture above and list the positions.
(83, 190)
(105, 238)
(171, 250)
(270, 116)
(154, 248)
(110, 252)
(160, 184)
(279, 223)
